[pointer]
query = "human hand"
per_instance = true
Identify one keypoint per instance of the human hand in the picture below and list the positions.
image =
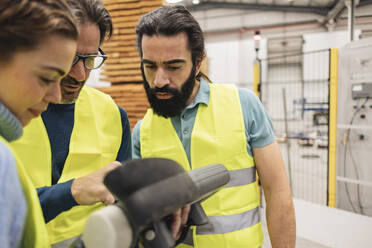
(179, 220)
(89, 189)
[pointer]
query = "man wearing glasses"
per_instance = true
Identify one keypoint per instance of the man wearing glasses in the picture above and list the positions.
(72, 85)
(71, 147)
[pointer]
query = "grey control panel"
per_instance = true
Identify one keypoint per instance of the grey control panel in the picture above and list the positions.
(361, 90)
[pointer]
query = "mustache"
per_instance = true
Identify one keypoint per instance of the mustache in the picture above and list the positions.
(164, 89)
(70, 80)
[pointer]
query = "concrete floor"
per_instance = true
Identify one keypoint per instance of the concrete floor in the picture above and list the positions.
(300, 242)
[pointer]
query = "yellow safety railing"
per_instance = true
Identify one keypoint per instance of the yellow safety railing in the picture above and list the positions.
(256, 83)
(256, 78)
(332, 133)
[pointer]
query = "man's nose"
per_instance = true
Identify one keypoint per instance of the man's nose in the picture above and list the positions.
(78, 71)
(161, 78)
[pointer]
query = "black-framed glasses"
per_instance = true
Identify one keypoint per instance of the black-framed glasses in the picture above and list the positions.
(92, 61)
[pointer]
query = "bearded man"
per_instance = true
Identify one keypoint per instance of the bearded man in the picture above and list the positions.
(197, 123)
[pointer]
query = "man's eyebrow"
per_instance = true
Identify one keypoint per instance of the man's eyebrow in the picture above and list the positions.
(148, 61)
(173, 61)
(59, 71)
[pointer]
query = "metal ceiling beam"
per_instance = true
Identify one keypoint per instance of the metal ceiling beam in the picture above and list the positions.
(364, 3)
(323, 11)
(263, 27)
(340, 6)
(335, 11)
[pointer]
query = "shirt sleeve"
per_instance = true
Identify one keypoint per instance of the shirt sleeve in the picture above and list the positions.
(125, 150)
(258, 126)
(136, 146)
(56, 199)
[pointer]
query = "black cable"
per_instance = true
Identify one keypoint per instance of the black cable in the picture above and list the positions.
(346, 142)
(357, 176)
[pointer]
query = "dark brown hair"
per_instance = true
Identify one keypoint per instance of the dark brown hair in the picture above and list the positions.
(25, 23)
(93, 11)
(172, 20)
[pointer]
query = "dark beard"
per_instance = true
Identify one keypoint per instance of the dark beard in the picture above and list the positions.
(175, 105)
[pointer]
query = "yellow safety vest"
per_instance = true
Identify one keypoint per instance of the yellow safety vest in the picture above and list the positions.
(218, 136)
(95, 142)
(35, 234)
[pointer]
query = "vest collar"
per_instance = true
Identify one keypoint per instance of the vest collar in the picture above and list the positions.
(10, 126)
(202, 96)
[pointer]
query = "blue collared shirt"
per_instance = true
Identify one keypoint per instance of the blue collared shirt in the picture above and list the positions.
(258, 126)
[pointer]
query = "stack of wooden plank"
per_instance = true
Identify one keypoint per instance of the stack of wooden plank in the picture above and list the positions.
(122, 68)
(132, 98)
(123, 65)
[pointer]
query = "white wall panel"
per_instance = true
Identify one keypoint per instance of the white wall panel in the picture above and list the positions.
(232, 61)
(326, 40)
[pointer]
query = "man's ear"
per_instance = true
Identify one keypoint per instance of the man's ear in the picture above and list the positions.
(198, 65)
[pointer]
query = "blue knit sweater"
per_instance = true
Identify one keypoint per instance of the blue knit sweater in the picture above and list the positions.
(12, 200)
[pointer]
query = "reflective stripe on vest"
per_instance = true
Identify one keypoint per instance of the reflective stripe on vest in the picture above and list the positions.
(230, 223)
(35, 233)
(65, 243)
(94, 143)
(218, 136)
(242, 177)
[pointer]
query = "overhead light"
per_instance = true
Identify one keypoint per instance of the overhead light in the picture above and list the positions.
(257, 38)
(174, 1)
(257, 35)
(195, 1)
